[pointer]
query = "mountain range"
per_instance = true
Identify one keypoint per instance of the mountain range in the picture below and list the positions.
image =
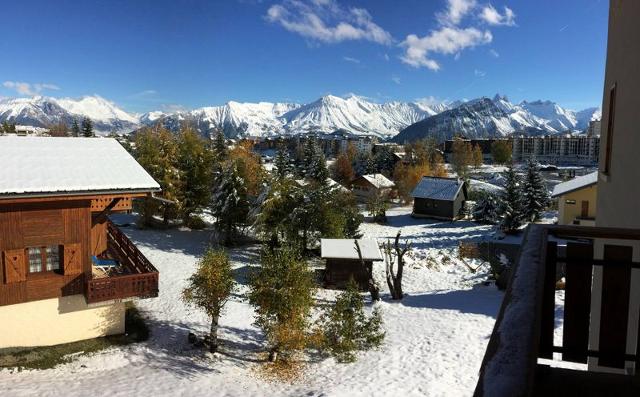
(482, 117)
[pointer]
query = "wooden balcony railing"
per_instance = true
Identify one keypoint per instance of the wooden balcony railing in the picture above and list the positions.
(141, 279)
(599, 324)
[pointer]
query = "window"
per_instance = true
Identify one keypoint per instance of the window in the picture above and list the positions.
(610, 126)
(570, 201)
(44, 259)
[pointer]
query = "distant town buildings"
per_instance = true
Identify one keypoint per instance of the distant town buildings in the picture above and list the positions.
(557, 149)
(594, 128)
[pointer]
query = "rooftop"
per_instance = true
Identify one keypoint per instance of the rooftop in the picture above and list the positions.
(58, 166)
(379, 181)
(437, 188)
(346, 249)
(575, 184)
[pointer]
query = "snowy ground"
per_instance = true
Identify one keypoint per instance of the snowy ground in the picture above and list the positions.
(435, 341)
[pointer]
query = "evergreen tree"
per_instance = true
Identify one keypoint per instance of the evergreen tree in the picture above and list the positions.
(220, 146)
(156, 151)
(486, 209)
(501, 151)
(282, 164)
(511, 202)
(87, 127)
(209, 288)
(384, 160)
(75, 128)
(195, 164)
(534, 193)
(229, 202)
(281, 290)
(314, 164)
(346, 328)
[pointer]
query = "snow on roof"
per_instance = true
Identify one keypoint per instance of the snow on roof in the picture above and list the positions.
(379, 181)
(47, 165)
(575, 184)
(346, 249)
(437, 188)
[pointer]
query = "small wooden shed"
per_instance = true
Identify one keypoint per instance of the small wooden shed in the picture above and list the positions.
(439, 198)
(343, 262)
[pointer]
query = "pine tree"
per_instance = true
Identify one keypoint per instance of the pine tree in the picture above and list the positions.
(511, 202)
(209, 288)
(220, 146)
(534, 193)
(229, 202)
(281, 290)
(315, 164)
(87, 127)
(282, 164)
(75, 128)
(346, 328)
(501, 151)
(195, 164)
(486, 209)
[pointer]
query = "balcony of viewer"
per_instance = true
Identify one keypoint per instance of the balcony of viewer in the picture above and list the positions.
(580, 337)
(121, 272)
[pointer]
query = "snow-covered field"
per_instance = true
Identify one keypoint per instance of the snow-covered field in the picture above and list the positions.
(435, 340)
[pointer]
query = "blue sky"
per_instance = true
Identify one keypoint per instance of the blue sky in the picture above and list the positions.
(148, 55)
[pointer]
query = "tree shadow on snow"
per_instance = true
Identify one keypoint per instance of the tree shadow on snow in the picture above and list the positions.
(478, 300)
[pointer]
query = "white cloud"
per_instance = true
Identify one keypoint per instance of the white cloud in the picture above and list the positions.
(493, 17)
(396, 79)
(450, 38)
(447, 40)
(456, 10)
(350, 59)
(386, 57)
(479, 73)
(495, 53)
(23, 88)
(143, 94)
(327, 21)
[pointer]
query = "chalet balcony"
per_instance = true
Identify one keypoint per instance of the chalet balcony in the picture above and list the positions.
(121, 272)
(582, 340)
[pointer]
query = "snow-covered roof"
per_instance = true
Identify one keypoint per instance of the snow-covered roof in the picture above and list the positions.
(58, 166)
(330, 182)
(379, 181)
(437, 188)
(336, 248)
(575, 184)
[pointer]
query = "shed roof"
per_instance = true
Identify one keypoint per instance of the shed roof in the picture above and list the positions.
(379, 181)
(37, 166)
(575, 184)
(438, 188)
(337, 248)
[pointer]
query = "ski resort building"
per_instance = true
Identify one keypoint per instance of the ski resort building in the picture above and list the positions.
(343, 261)
(591, 347)
(66, 269)
(439, 198)
(366, 187)
(577, 200)
(557, 149)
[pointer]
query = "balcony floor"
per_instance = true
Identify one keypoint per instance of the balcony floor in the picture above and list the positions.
(567, 382)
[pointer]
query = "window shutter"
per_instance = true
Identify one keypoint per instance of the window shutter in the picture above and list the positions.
(72, 258)
(14, 266)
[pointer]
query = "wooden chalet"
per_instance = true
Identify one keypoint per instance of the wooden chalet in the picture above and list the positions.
(343, 262)
(65, 268)
(366, 187)
(439, 198)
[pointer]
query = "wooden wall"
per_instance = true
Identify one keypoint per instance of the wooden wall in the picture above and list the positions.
(63, 223)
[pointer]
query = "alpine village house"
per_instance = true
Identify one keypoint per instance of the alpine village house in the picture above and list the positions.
(66, 269)
(439, 198)
(591, 347)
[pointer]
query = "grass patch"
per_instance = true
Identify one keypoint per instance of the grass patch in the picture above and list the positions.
(51, 356)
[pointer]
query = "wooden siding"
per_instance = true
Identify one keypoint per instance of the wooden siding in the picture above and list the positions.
(63, 223)
(339, 271)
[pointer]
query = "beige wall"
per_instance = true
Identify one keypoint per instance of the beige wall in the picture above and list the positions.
(618, 192)
(59, 320)
(568, 212)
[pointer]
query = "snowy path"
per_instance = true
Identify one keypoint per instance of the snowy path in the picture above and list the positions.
(436, 336)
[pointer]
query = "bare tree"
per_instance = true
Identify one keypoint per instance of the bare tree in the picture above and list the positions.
(374, 289)
(394, 276)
